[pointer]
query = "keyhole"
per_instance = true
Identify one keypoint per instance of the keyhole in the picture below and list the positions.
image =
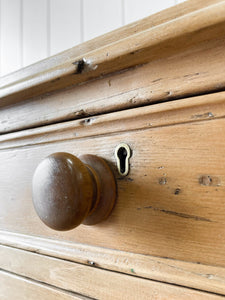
(122, 155)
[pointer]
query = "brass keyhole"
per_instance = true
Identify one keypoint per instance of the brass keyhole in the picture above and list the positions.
(123, 154)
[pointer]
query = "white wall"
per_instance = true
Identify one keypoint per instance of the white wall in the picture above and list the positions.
(31, 30)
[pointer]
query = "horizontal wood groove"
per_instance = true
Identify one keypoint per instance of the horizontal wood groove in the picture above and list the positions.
(148, 44)
(12, 284)
(192, 275)
(195, 109)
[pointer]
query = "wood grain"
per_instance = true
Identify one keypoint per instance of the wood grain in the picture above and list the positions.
(161, 80)
(170, 205)
(193, 109)
(150, 44)
(198, 276)
(13, 286)
(89, 281)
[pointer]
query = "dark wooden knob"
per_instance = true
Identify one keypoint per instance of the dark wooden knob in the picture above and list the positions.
(68, 191)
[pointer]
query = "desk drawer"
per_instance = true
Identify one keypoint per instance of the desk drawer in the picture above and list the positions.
(172, 202)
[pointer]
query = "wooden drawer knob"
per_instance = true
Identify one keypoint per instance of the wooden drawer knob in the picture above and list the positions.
(68, 191)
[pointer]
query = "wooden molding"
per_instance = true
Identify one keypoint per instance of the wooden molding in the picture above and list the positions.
(198, 276)
(188, 110)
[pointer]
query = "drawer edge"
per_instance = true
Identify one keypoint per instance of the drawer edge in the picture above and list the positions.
(188, 274)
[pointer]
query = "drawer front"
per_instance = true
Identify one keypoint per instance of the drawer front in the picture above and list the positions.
(16, 287)
(172, 202)
(77, 278)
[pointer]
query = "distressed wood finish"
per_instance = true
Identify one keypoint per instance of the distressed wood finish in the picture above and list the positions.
(198, 276)
(165, 238)
(16, 287)
(173, 215)
(91, 282)
(167, 74)
(162, 80)
(194, 109)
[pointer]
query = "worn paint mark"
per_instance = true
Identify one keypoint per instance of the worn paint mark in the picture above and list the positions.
(205, 115)
(132, 271)
(130, 179)
(88, 121)
(80, 113)
(55, 80)
(161, 167)
(136, 51)
(132, 100)
(191, 75)
(80, 65)
(92, 263)
(156, 80)
(162, 180)
(177, 214)
(125, 179)
(209, 180)
(177, 191)
(84, 65)
(169, 93)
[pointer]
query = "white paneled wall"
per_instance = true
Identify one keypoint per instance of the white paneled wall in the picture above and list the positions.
(10, 36)
(34, 30)
(31, 30)
(134, 10)
(101, 16)
(65, 24)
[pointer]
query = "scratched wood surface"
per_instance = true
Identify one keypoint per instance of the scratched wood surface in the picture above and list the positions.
(162, 80)
(89, 281)
(172, 202)
(165, 44)
(192, 275)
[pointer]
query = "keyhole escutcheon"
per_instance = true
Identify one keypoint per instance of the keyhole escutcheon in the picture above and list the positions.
(123, 153)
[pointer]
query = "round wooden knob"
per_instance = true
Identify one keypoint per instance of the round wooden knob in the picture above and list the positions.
(68, 191)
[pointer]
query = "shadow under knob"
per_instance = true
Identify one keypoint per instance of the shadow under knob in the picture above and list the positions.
(68, 191)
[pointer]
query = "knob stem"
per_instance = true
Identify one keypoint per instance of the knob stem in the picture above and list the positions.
(96, 188)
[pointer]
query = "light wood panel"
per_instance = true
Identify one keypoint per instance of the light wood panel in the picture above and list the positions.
(198, 276)
(89, 281)
(16, 287)
(156, 212)
(194, 109)
(130, 46)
